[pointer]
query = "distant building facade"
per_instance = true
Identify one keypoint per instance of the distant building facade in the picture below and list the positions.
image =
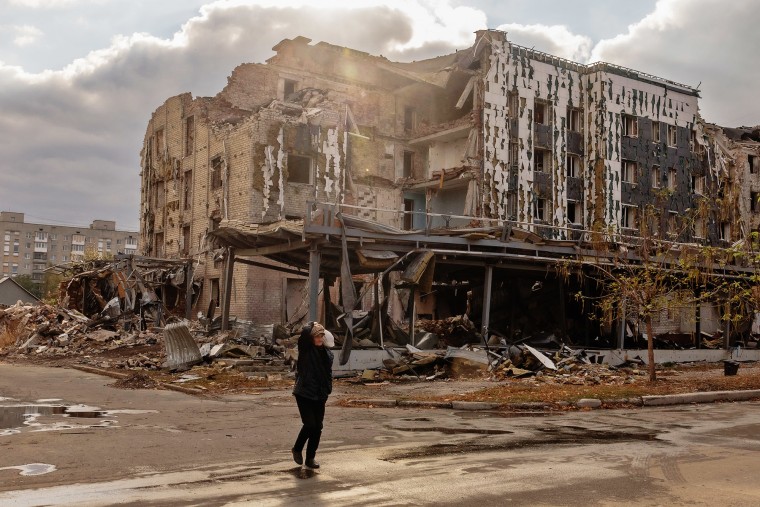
(30, 248)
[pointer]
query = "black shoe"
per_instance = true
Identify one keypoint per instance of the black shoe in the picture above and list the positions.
(310, 463)
(297, 457)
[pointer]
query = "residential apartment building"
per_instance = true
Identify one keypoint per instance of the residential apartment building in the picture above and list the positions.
(30, 248)
(491, 134)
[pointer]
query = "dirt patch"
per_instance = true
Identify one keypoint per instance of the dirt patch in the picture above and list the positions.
(137, 380)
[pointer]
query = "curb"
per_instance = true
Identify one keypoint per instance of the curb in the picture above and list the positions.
(706, 397)
(586, 403)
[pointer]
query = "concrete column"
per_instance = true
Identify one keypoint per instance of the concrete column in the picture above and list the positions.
(621, 337)
(229, 266)
(486, 303)
(315, 258)
(189, 290)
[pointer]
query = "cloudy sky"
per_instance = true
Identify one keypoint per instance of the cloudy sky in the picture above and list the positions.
(80, 78)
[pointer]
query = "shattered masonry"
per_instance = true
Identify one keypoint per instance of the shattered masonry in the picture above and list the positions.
(494, 131)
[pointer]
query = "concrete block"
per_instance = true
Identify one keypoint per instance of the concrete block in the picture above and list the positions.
(588, 403)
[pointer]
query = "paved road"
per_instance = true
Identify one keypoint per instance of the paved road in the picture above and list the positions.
(167, 448)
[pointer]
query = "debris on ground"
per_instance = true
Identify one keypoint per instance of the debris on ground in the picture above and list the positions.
(136, 380)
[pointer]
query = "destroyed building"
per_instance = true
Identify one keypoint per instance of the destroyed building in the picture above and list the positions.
(495, 158)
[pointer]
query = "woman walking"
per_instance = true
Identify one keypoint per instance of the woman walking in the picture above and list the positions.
(313, 386)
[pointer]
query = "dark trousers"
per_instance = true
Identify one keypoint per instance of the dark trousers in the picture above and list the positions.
(312, 414)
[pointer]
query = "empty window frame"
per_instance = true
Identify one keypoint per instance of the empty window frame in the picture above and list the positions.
(186, 240)
(672, 135)
(541, 113)
(574, 212)
(672, 178)
(189, 135)
(188, 190)
(629, 215)
(698, 228)
(542, 160)
(573, 166)
(409, 117)
(514, 154)
(408, 168)
(289, 87)
(656, 131)
(698, 185)
(754, 204)
(159, 143)
(753, 165)
(630, 125)
(725, 231)
(513, 103)
(408, 214)
(299, 169)
(655, 175)
(628, 171)
(539, 209)
(574, 119)
(673, 223)
(216, 172)
(512, 205)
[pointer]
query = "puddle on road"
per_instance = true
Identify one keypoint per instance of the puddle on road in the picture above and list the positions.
(32, 469)
(559, 435)
(16, 417)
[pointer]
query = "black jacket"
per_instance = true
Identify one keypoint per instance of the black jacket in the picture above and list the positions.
(314, 370)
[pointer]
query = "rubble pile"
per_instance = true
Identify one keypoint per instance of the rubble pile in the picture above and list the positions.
(49, 331)
(454, 331)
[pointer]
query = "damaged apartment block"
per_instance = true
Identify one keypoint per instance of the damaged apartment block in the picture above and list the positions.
(336, 185)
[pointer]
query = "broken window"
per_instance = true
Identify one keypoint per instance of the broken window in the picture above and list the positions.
(159, 244)
(573, 166)
(216, 172)
(289, 88)
(541, 160)
(512, 206)
(673, 223)
(574, 212)
(215, 291)
(630, 125)
(628, 170)
(574, 119)
(656, 131)
(725, 231)
(672, 178)
(628, 217)
(514, 154)
(186, 240)
(656, 176)
(541, 113)
(698, 228)
(752, 161)
(408, 164)
(672, 135)
(159, 143)
(188, 189)
(189, 135)
(408, 214)
(408, 119)
(539, 210)
(693, 140)
(698, 185)
(160, 195)
(299, 169)
(754, 205)
(513, 102)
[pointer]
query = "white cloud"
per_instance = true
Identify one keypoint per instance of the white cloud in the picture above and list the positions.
(556, 40)
(26, 35)
(691, 41)
(71, 137)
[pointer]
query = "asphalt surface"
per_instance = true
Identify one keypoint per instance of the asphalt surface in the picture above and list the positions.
(148, 447)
